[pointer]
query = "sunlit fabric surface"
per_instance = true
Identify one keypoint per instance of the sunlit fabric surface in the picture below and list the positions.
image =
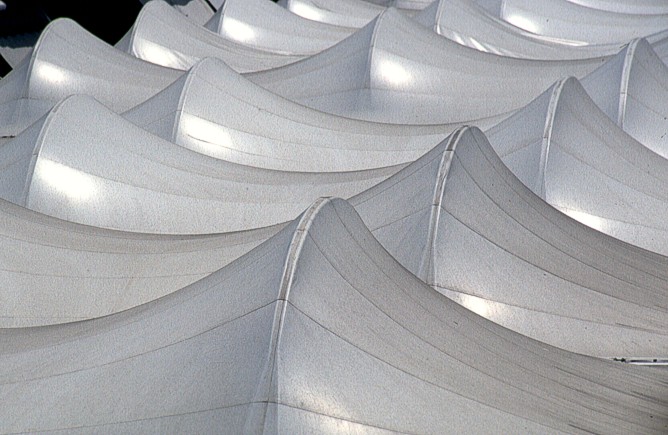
(466, 22)
(262, 24)
(164, 36)
(463, 223)
(569, 21)
(172, 259)
(207, 110)
(394, 70)
(83, 163)
(283, 338)
(345, 13)
(613, 183)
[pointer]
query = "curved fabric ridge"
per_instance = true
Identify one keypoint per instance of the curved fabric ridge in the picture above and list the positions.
(68, 60)
(261, 24)
(207, 110)
(467, 23)
(345, 13)
(463, 223)
(566, 150)
(565, 20)
(85, 164)
(164, 36)
(632, 89)
(54, 271)
(256, 347)
(394, 70)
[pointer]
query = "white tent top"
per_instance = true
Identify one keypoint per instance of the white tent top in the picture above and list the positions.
(566, 150)
(394, 70)
(466, 22)
(569, 21)
(164, 36)
(346, 13)
(335, 321)
(69, 60)
(86, 164)
(209, 108)
(317, 330)
(264, 25)
(632, 89)
(464, 224)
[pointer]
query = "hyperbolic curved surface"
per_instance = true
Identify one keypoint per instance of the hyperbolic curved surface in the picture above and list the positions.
(69, 60)
(467, 23)
(346, 13)
(569, 21)
(261, 24)
(632, 89)
(316, 330)
(565, 149)
(54, 271)
(86, 164)
(464, 224)
(208, 110)
(394, 70)
(164, 36)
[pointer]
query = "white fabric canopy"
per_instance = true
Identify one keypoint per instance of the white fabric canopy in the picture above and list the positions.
(208, 110)
(317, 330)
(466, 22)
(345, 13)
(394, 70)
(68, 60)
(569, 21)
(632, 89)
(463, 223)
(567, 151)
(164, 36)
(262, 24)
(86, 164)
(54, 271)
